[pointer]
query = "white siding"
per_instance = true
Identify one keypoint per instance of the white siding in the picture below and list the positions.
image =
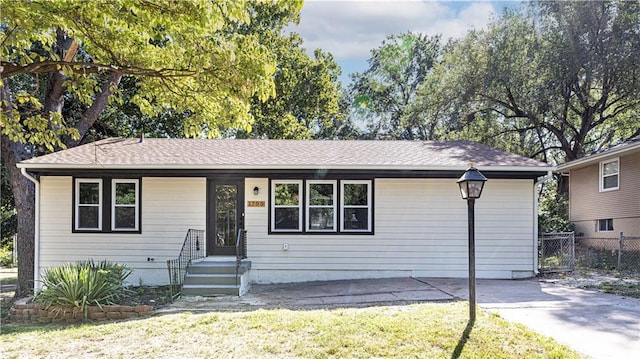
(420, 230)
(170, 206)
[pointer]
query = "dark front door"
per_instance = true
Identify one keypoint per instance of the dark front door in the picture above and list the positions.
(226, 216)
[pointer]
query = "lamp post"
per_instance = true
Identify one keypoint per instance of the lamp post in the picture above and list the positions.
(471, 184)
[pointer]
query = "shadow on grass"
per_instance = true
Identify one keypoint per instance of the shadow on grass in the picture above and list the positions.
(463, 340)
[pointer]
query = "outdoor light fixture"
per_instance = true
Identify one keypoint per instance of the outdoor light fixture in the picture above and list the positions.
(471, 184)
(256, 190)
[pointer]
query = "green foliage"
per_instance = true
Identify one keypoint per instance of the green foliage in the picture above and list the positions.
(306, 88)
(83, 284)
(6, 255)
(187, 55)
(384, 96)
(553, 211)
(552, 83)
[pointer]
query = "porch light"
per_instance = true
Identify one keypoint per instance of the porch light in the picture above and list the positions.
(471, 184)
(256, 190)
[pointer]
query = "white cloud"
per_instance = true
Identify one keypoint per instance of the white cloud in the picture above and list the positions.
(350, 29)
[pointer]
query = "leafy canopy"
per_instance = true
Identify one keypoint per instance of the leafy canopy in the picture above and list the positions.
(187, 55)
(384, 95)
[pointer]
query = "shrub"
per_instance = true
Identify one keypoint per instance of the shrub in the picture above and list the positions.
(553, 212)
(6, 255)
(82, 284)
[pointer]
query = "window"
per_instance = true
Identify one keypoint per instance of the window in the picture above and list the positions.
(609, 175)
(287, 206)
(605, 225)
(124, 205)
(88, 203)
(106, 205)
(321, 206)
(356, 206)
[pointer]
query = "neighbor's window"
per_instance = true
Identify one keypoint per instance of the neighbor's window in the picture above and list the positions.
(356, 206)
(609, 175)
(321, 206)
(605, 225)
(286, 206)
(88, 203)
(124, 205)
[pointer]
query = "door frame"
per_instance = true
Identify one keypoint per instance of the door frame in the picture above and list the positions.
(211, 248)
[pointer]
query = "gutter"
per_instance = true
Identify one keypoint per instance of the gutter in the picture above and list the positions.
(373, 167)
(36, 245)
(585, 161)
(536, 199)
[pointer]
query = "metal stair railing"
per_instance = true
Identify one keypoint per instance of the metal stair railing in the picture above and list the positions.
(241, 250)
(191, 250)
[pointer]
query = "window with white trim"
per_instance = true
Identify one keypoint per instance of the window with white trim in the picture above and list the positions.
(605, 225)
(609, 175)
(88, 204)
(286, 206)
(124, 204)
(355, 206)
(321, 206)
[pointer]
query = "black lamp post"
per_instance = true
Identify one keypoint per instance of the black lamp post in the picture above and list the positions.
(471, 184)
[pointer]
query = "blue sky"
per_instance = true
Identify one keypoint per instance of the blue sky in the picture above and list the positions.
(349, 29)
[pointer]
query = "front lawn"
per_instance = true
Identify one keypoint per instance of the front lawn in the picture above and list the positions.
(432, 330)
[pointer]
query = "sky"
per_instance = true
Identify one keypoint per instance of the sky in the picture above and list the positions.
(349, 29)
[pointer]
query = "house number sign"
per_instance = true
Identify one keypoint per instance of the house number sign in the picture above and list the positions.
(255, 204)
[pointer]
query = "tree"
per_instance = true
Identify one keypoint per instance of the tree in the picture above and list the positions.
(384, 95)
(559, 82)
(307, 88)
(187, 56)
(306, 94)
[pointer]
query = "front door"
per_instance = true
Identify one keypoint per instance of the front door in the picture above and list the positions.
(226, 215)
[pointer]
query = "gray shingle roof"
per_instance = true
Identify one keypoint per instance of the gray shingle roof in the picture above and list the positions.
(257, 154)
(632, 144)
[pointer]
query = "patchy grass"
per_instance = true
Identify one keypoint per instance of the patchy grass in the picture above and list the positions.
(8, 275)
(431, 330)
(8, 278)
(628, 289)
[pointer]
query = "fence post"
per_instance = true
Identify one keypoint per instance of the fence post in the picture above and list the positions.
(620, 251)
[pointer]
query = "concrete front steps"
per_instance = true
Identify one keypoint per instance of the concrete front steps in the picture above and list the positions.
(212, 278)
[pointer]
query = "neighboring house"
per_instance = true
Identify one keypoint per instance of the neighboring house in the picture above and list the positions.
(313, 210)
(604, 191)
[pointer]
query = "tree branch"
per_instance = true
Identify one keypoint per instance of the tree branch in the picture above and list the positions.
(82, 68)
(100, 102)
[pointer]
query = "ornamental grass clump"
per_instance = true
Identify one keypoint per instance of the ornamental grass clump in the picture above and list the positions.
(83, 284)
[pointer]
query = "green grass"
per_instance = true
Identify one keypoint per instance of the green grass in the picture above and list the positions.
(620, 288)
(432, 330)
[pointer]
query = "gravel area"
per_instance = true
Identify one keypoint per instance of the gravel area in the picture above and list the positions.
(589, 278)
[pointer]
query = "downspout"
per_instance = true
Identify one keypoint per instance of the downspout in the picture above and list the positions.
(36, 245)
(536, 198)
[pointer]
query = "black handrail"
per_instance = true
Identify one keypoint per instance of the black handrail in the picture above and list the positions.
(191, 250)
(241, 250)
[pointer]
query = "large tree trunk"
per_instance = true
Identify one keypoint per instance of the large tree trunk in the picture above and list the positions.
(24, 197)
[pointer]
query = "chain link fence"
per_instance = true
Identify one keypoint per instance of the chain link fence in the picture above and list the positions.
(621, 254)
(556, 252)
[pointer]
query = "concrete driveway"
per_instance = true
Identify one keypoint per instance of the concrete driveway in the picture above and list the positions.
(596, 324)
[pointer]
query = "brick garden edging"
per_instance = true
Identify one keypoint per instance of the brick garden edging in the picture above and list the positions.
(24, 312)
